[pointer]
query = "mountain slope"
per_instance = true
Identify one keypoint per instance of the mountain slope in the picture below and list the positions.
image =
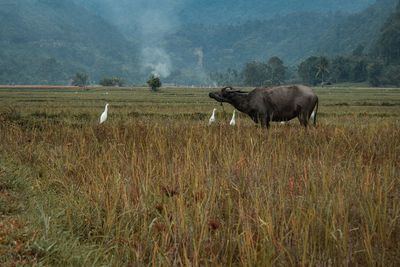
(124, 13)
(220, 11)
(387, 46)
(292, 37)
(362, 28)
(47, 41)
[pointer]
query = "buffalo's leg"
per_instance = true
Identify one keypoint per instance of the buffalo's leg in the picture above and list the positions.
(303, 119)
(265, 121)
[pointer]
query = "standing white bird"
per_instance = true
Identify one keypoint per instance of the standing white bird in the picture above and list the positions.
(312, 116)
(103, 116)
(233, 121)
(212, 118)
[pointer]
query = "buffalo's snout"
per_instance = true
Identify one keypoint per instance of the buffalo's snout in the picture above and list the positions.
(216, 96)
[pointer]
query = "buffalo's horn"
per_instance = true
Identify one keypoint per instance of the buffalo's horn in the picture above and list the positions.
(227, 87)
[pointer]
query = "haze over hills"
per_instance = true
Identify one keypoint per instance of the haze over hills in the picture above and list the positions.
(125, 12)
(292, 37)
(47, 41)
(241, 10)
(361, 28)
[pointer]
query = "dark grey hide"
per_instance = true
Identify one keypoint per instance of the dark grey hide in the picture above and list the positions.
(281, 103)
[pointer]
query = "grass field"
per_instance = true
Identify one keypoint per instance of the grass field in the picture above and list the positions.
(156, 186)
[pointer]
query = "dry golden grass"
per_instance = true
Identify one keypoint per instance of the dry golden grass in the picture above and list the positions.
(160, 188)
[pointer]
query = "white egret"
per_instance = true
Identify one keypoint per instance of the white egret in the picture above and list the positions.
(103, 116)
(233, 121)
(312, 116)
(212, 118)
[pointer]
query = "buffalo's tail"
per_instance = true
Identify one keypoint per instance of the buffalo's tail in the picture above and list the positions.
(315, 113)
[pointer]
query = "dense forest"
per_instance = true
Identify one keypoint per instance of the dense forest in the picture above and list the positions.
(49, 41)
(124, 13)
(378, 64)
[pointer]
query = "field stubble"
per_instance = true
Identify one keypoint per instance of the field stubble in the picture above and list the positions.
(168, 190)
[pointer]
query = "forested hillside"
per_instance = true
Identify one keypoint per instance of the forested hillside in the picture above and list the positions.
(218, 11)
(292, 37)
(377, 64)
(361, 28)
(124, 12)
(47, 41)
(388, 45)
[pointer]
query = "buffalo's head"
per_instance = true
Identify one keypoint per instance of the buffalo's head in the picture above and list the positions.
(225, 95)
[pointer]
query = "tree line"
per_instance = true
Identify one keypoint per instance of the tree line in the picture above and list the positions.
(379, 66)
(255, 73)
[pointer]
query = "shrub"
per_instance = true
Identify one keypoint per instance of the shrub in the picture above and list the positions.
(154, 82)
(112, 81)
(80, 79)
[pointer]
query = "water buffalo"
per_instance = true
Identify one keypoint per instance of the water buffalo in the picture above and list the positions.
(281, 103)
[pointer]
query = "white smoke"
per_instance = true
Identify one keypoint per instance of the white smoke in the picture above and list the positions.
(147, 23)
(157, 60)
(200, 55)
(157, 19)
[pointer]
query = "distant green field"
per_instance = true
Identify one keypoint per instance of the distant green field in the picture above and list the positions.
(155, 185)
(59, 103)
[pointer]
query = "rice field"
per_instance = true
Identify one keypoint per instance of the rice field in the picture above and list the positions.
(156, 186)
